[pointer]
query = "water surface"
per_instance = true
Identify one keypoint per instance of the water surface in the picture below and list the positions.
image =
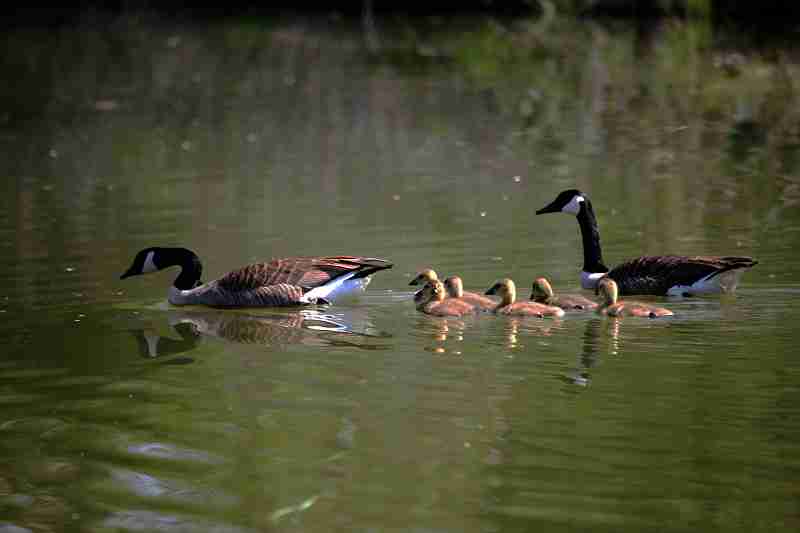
(248, 139)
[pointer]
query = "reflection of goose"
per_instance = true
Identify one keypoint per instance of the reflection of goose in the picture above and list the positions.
(279, 282)
(508, 305)
(307, 327)
(611, 306)
(542, 292)
(158, 346)
(662, 274)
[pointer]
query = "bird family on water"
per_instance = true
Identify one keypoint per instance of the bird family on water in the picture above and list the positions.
(321, 280)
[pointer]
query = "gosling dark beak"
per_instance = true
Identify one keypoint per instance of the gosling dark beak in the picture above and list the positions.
(414, 281)
(549, 208)
(491, 290)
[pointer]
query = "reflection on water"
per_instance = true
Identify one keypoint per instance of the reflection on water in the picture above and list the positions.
(306, 327)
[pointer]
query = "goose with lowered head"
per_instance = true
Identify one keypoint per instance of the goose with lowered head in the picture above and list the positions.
(674, 275)
(278, 282)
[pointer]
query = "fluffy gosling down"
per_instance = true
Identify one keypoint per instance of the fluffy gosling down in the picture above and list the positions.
(542, 292)
(508, 305)
(612, 306)
(431, 301)
(455, 289)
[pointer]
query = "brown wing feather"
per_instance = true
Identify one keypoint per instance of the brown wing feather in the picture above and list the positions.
(656, 274)
(305, 272)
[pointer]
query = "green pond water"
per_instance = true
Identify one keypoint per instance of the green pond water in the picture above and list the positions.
(429, 142)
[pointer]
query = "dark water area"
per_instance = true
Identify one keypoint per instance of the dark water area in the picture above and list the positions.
(430, 142)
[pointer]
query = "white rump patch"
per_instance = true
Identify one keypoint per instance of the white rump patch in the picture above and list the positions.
(149, 265)
(589, 279)
(725, 282)
(175, 296)
(574, 205)
(336, 288)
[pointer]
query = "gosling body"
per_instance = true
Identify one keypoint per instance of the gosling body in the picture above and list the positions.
(612, 306)
(431, 301)
(508, 305)
(542, 292)
(455, 289)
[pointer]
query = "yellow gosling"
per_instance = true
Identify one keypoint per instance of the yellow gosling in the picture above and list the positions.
(612, 306)
(455, 289)
(508, 305)
(542, 292)
(431, 301)
(424, 276)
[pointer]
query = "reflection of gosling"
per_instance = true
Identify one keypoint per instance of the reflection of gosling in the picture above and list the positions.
(508, 306)
(424, 276)
(542, 292)
(607, 287)
(430, 300)
(455, 289)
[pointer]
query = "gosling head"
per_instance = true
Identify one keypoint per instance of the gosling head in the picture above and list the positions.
(504, 288)
(608, 289)
(454, 286)
(433, 291)
(541, 291)
(424, 276)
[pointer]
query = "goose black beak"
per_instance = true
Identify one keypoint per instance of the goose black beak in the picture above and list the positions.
(128, 273)
(549, 208)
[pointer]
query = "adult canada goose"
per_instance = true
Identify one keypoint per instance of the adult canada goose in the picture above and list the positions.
(662, 274)
(278, 282)
(431, 300)
(508, 305)
(611, 306)
(455, 289)
(542, 292)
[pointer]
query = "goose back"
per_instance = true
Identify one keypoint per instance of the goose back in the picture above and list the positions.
(303, 272)
(678, 274)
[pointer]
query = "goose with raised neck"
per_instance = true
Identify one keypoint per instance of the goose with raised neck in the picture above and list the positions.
(675, 275)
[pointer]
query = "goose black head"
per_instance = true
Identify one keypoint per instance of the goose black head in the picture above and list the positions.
(146, 261)
(568, 201)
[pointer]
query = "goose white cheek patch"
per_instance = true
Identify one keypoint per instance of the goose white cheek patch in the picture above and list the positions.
(149, 265)
(574, 205)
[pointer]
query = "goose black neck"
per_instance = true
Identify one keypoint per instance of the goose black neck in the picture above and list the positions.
(590, 234)
(191, 268)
